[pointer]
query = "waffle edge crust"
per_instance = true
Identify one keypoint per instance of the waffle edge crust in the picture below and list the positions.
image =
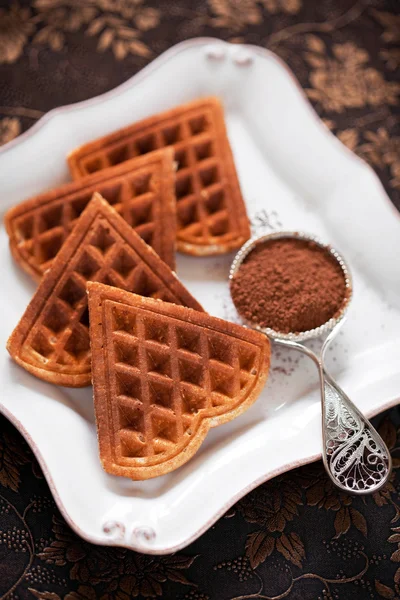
(163, 375)
(51, 341)
(211, 214)
(142, 190)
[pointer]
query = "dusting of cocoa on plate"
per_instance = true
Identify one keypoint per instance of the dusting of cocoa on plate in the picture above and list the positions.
(289, 285)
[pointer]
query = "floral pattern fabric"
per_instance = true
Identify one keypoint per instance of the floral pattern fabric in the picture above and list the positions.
(294, 537)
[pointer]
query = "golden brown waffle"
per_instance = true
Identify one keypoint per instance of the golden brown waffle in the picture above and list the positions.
(211, 213)
(52, 338)
(162, 376)
(141, 190)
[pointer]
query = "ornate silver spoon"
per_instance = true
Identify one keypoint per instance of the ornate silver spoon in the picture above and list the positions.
(354, 455)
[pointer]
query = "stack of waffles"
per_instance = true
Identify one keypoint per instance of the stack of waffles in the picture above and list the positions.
(109, 309)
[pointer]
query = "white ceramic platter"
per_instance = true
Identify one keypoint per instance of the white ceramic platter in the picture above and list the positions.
(294, 174)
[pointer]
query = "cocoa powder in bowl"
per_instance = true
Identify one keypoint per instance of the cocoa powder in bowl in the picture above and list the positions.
(289, 285)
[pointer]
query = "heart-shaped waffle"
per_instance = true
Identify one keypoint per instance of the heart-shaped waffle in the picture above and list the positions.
(162, 376)
(52, 338)
(211, 213)
(142, 190)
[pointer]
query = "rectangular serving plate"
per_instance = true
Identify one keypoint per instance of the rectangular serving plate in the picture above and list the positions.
(294, 175)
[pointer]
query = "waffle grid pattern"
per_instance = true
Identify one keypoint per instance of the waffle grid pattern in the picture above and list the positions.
(202, 183)
(60, 336)
(40, 231)
(166, 374)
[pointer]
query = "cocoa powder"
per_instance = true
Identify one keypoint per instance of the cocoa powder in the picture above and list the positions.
(289, 285)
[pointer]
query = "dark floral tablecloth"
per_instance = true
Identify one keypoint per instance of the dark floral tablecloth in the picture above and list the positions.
(294, 537)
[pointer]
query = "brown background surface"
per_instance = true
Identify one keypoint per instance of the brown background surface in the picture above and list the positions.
(294, 537)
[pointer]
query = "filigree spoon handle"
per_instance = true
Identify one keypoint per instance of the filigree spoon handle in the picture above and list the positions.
(355, 456)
